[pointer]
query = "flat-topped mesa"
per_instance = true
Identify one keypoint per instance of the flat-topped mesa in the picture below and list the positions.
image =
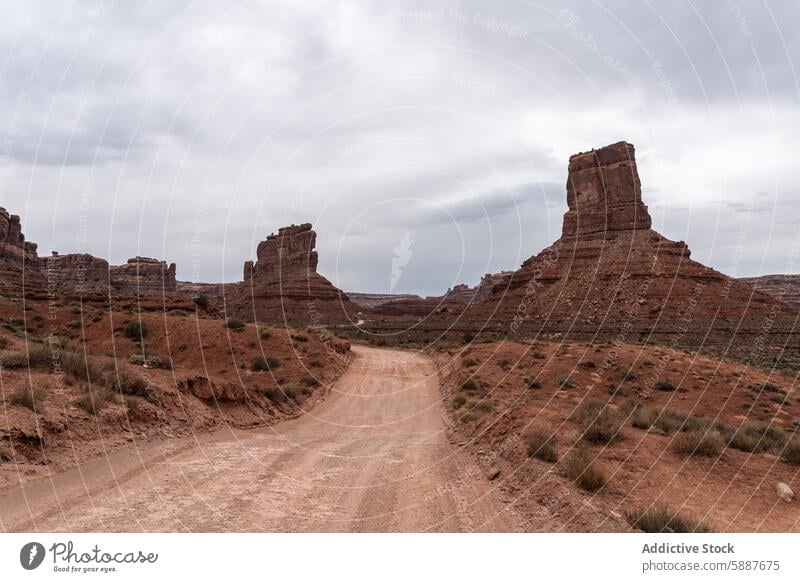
(604, 193)
(84, 273)
(287, 255)
(144, 275)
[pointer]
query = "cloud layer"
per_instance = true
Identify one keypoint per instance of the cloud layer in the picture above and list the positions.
(189, 131)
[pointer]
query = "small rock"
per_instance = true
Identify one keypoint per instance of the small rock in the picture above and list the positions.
(784, 492)
(493, 474)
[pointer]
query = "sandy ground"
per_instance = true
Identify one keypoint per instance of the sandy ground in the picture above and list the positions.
(374, 456)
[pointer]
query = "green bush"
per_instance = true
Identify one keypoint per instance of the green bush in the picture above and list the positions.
(300, 338)
(458, 401)
(541, 443)
(136, 330)
(665, 386)
(662, 520)
(264, 333)
(234, 324)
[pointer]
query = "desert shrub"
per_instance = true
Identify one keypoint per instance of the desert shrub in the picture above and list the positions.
(3, 343)
(300, 338)
(566, 382)
(136, 330)
(14, 359)
(665, 386)
(30, 397)
(541, 443)
(291, 391)
(698, 442)
(482, 407)
(773, 388)
(468, 417)
(234, 324)
(791, 452)
(93, 401)
(601, 424)
(458, 401)
(201, 301)
(647, 363)
(538, 355)
(309, 380)
(274, 394)
(468, 337)
(587, 364)
(125, 380)
(469, 384)
(753, 437)
(582, 469)
(177, 313)
(663, 520)
(666, 420)
(83, 369)
(264, 363)
(469, 362)
(35, 356)
(264, 333)
(315, 364)
(533, 383)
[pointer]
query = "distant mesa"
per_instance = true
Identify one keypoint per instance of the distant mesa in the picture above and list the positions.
(785, 288)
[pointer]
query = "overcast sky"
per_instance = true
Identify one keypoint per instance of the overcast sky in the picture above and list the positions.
(435, 134)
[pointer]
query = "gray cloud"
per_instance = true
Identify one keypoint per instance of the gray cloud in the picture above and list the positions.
(189, 131)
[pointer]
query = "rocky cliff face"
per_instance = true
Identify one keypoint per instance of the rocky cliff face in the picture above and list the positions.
(19, 261)
(610, 273)
(604, 193)
(283, 283)
(84, 273)
(481, 292)
(12, 242)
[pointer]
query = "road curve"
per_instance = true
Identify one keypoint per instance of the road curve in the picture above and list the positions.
(374, 456)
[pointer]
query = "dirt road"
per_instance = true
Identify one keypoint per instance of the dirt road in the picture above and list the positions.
(374, 456)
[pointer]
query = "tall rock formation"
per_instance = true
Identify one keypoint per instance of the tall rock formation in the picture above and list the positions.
(283, 283)
(19, 261)
(610, 274)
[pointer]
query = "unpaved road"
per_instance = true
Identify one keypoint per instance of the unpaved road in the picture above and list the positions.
(374, 456)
